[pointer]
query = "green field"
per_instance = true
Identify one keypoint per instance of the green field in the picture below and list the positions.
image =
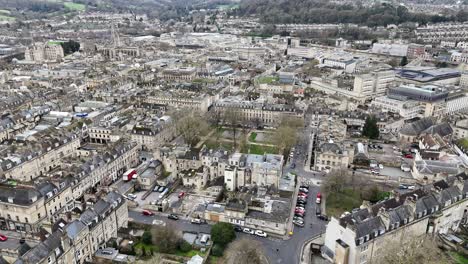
(6, 18)
(55, 42)
(267, 79)
(74, 6)
(260, 150)
(226, 7)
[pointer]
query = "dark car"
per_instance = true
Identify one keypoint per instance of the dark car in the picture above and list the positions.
(173, 217)
(237, 228)
(293, 165)
(318, 211)
(301, 202)
(323, 217)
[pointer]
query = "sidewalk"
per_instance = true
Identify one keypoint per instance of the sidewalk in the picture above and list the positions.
(306, 253)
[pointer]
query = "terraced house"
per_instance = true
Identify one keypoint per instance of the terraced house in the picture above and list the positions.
(364, 235)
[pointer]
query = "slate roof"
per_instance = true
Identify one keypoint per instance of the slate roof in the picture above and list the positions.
(74, 228)
(331, 147)
(417, 127)
(20, 195)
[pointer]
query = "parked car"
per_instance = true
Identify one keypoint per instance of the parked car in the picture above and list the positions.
(403, 187)
(323, 217)
(300, 211)
(3, 238)
(22, 240)
(131, 196)
(318, 211)
(156, 188)
(299, 214)
(302, 202)
(411, 187)
(381, 166)
(237, 228)
(197, 221)
(304, 190)
(173, 217)
(300, 206)
(248, 231)
(301, 194)
(408, 156)
(161, 188)
(298, 218)
(260, 233)
(298, 223)
(147, 213)
(181, 194)
(293, 165)
(304, 187)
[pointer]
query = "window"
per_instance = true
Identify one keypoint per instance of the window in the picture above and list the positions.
(26, 220)
(364, 248)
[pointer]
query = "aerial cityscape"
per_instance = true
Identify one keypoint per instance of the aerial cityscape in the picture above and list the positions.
(234, 131)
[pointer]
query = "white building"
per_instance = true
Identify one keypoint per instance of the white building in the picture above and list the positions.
(41, 52)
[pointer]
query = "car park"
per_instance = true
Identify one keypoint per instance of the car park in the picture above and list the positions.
(147, 213)
(173, 217)
(260, 233)
(248, 231)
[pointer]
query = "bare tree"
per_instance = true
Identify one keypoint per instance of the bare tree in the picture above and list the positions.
(335, 181)
(190, 126)
(245, 251)
(232, 119)
(416, 251)
(165, 238)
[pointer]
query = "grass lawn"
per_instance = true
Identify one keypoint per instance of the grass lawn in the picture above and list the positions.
(55, 42)
(459, 258)
(252, 137)
(3, 11)
(212, 144)
(74, 6)
(214, 260)
(145, 247)
(190, 254)
(260, 150)
(338, 203)
(267, 79)
(463, 142)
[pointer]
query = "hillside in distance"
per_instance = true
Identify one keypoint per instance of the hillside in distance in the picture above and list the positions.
(322, 12)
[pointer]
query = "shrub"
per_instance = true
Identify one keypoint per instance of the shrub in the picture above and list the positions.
(185, 246)
(217, 250)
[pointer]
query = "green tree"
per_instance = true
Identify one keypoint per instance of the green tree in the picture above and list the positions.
(70, 46)
(185, 246)
(370, 129)
(222, 233)
(217, 250)
(147, 237)
(404, 61)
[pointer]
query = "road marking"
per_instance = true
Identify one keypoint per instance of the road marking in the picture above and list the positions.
(159, 222)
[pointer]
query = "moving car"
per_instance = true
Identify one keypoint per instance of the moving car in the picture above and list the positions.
(3, 238)
(181, 194)
(147, 213)
(248, 231)
(131, 196)
(260, 233)
(197, 221)
(173, 217)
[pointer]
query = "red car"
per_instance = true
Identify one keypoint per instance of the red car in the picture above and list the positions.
(299, 210)
(182, 194)
(3, 238)
(302, 194)
(408, 156)
(147, 212)
(319, 195)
